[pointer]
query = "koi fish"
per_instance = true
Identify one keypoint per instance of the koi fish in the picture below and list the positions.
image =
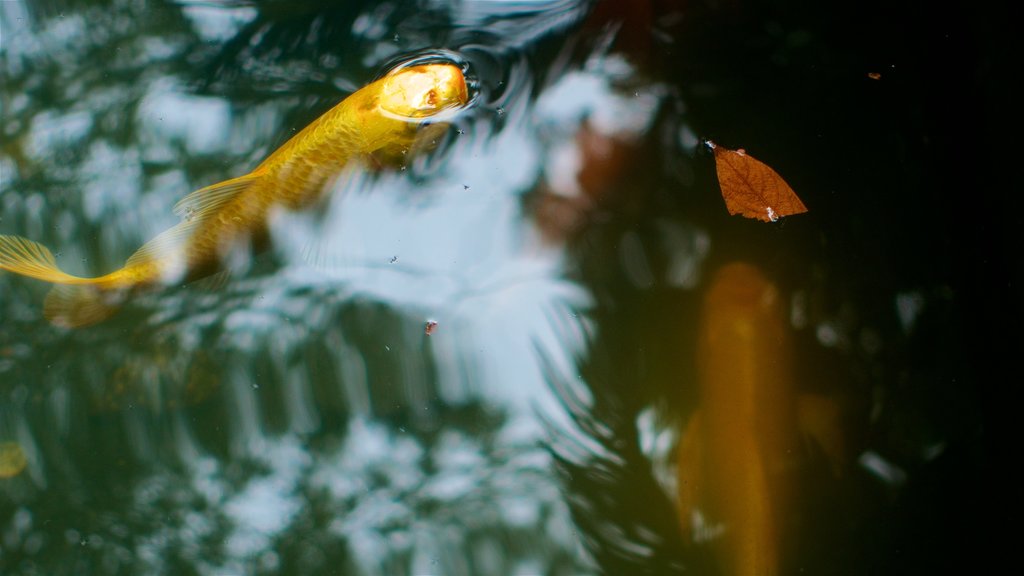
(378, 121)
(738, 454)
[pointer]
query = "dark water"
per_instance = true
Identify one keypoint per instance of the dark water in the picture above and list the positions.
(300, 420)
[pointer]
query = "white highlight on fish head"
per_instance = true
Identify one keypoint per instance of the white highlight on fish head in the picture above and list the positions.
(423, 91)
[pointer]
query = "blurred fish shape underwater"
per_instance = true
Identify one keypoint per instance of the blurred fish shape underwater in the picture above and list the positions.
(379, 121)
(738, 455)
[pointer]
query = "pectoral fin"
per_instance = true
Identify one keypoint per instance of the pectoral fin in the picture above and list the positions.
(213, 282)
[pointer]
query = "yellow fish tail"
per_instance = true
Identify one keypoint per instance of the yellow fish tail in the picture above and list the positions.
(32, 259)
(75, 301)
(80, 305)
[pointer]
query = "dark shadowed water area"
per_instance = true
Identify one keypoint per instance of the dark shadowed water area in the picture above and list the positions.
(482, 359)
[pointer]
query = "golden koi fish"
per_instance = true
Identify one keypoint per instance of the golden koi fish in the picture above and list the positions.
(738, 455)
(380, 119)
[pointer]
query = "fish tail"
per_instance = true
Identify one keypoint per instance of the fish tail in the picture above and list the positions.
(32, 259)
(74, 301)
(75, 306)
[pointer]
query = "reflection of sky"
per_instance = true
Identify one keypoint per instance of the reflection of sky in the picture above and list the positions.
(216, 22)
(454, 249)
(452, 246)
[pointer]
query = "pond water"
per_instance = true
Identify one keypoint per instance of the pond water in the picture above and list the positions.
(487, 358)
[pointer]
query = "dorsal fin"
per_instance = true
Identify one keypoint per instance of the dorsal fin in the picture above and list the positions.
(195, 209)
(201, 203)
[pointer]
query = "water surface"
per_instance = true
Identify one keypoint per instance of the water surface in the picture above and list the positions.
(300, 419)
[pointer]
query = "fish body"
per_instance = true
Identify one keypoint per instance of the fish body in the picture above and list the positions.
(739, 457)
(736, 454)
(380, 119)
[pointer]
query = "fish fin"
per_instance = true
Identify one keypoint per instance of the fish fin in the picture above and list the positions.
(78, 306)
(689, 474)
(165, 247)
(32, 259)
(204, 201)
(820, 419)
(213, 282)
(194, 209)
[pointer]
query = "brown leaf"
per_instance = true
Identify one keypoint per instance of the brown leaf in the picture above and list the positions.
(751, 188)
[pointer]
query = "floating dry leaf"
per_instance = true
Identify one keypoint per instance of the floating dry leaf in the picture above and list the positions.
(751, 188)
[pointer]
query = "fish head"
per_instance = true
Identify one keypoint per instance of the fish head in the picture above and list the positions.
(423, 91)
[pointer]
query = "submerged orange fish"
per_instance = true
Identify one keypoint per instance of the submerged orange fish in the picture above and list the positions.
(380, 119)
(738, 455)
